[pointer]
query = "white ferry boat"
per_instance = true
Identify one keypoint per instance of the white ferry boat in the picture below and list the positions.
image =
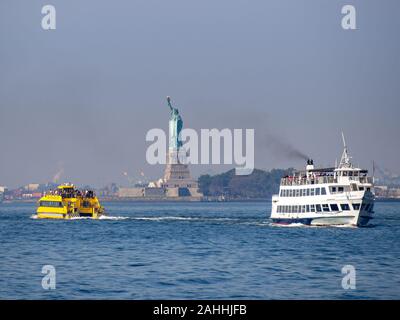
(342, 195)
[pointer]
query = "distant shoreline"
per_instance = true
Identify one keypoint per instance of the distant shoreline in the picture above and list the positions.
(181, 200)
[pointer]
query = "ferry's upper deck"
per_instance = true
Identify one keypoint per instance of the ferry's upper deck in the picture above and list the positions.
(344, 173)
(327, 175)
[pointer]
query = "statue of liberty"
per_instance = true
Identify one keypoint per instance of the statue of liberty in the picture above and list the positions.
(175, 128)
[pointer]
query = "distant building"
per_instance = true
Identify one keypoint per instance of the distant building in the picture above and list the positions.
(130, 193)
(387, 192)
(32, 187)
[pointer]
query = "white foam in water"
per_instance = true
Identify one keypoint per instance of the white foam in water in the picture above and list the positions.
(112, 218)
(291, 225)
(34, 216)
(165, 218)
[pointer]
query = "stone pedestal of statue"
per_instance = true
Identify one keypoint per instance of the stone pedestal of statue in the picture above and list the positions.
(177, 176)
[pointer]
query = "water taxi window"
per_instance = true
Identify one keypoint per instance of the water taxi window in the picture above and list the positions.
(323, 191)
(334, 207)
(345, 207)
(325, 208)
(356, 206)
(318, 207)
(53, 204)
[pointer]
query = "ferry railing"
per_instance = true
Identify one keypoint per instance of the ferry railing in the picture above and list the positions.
(307, 181)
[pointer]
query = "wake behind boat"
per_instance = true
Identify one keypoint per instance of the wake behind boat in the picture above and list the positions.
(342, 195)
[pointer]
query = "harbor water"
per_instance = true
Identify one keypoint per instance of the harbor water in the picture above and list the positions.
(196, 251)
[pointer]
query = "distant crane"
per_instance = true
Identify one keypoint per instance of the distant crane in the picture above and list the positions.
(132, 182)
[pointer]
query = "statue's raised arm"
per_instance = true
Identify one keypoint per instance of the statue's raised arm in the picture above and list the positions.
(169, 103)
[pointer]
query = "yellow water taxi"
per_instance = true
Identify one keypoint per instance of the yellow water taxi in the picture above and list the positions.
(68, 202)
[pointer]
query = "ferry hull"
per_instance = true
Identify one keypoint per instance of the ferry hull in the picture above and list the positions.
(350, 220)
(51, 215)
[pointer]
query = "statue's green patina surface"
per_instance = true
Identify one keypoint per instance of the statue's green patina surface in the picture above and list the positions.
(175, 127)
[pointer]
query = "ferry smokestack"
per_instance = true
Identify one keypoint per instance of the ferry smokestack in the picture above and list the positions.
(310, 164)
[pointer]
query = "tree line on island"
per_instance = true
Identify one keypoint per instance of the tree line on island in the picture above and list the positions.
(258, 185)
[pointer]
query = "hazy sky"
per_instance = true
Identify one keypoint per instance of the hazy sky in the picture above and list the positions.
(83, 96)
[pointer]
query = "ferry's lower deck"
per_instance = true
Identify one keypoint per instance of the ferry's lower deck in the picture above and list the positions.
(346, 208)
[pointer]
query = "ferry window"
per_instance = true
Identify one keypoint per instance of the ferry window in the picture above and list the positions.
(308, 192)
(291, 193)
(303, 209)
(350, 173)
(297, 193)
(304, 192)
(296, 208)
(356, 206)
(344, 173)
(333, 190)
(334, 207)
(318, 207)
(307, 208)
(317, 191)
(325, 208)
(281, 193)
(345, 207)
(340, 189)
(312, 208)
(53, 204)
(361, 188)
(323, 191)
